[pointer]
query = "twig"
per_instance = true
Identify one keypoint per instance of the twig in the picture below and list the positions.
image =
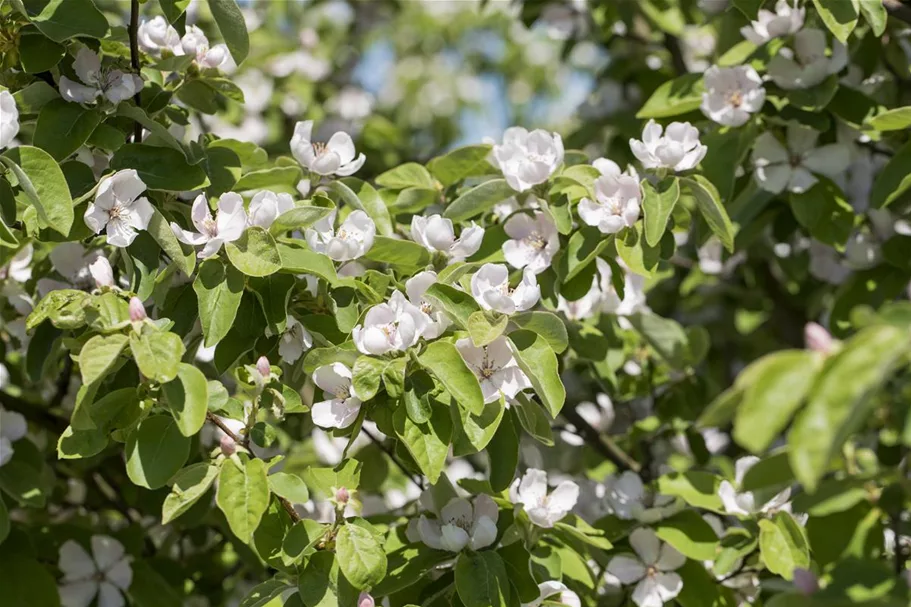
(245, 441)
(134, 60)
(393, 457)
(603, 444)
(672, 44)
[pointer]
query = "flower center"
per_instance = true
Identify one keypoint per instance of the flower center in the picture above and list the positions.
(426, 307)
(651, 571)
(342, 392)
(795, 160)
(319, 148)
(389, 330)
(536, 241)
(116, 213)
(735, 99)
(210, 227)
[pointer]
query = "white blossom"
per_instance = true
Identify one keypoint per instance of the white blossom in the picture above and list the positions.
(616, 206)
(786, 20)
(437, 234)
(335, 157)
(73, 262)
(460, 524)
(677, 147)
(629, 499)
(390, 327)
(156, 35)
(732, 94)
(342, 405)
(555, 593)
(792, 167)
(294, 341)
(533, 241)
(195, 43)
(227, 226)
(599, 415)
(98, 81)
(352, 239)
(495, 367)
(12, 428)
(527, 159)
(651, 569)
(543, 509)
(490, 288)
(9, 119)
(19, 268)
(747, 503)
(266, 206)
(119, 208)
(102, 272)
(808, 63)
(415, 287)
(106, 573)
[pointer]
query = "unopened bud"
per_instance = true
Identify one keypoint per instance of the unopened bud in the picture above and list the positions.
(262, 365)
(342, 496)
(101, 271)
(137, 310)
(228, 446)
(365, 600)
(805, 581)
(818, 338)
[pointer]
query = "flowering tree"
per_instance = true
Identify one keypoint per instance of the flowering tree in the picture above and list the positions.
(651, 354)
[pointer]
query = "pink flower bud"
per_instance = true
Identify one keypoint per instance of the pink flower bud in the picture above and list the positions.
(365, 600)
(805, 582)
(262, 365)
(342, 496)
(228, 446)
(137, 310)
(818, 338)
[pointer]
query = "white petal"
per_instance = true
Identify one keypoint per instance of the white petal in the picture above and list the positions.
(646, 544)
(626, 568)
(78, 594)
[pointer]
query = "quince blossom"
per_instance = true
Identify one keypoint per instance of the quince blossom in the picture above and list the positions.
(335, 157)
(12, 428)
(544, 510)
(808, 64)
(629, 499)
(617, 203)
(352, 239)
(555, 593)
(227, 226)
(436, 234)
(9, 119)
(746, 503)
(732, 94)
(495, 367)
(651, 569)
(106, 573)
(342, 405)
(266, 206)
(114, 85)
(415, 287)
(792, 167)
(460, 524)
(294, 341)
(527, 159)
(388, 327)
(533, 242)
(677, 147)
(786, 20)
(119, 209)
(490, 288)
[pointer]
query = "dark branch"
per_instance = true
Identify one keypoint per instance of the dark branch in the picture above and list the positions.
(603, 444)
(134, 60)
(392, 456)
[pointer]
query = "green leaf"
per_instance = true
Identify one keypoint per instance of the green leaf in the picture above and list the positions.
(658, 204)
(44, 185)
(460, 163)
(280, 177)
(472, 432)
(398, 252)
(321, 585)
(361, 195)
(289, 486)
(273, 293)
(695, 487)
(188, 486)
(518, 567)
(539, 363)
(481, 580)
(267, 594)
(98, 356)
(585, 244)
(689, 534)
(533, 420)
(546, 324)
(243, 495)
(408, 175)
(360, 556)
(783, 545)
(839, 400)
(840, 16)
(478, 200)
(164, 236)
(443, 360)
(503, 455)
(666, 336)
(26, 582)
(298, 218)
(457, 304)
(78, 444)
(897, 119)
(825, 213)
(4, 521)
(38, 53)
(367, 374)
(65, 308)
(61, 20)
(484, 326)
(160, 168)
(674, 97)
(188, 398)
(297, 258)
(158, 130)
(32, 98)
(219, 289)
(893, 180)
(155, 451)
(778, 384)
(428, 443)
(157, 354)
(232, 26)
(709, 203)
(635, 252)
(255, 253)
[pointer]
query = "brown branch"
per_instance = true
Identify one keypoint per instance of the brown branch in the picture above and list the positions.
(134, 60)
(672, 44)
(603, 444)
